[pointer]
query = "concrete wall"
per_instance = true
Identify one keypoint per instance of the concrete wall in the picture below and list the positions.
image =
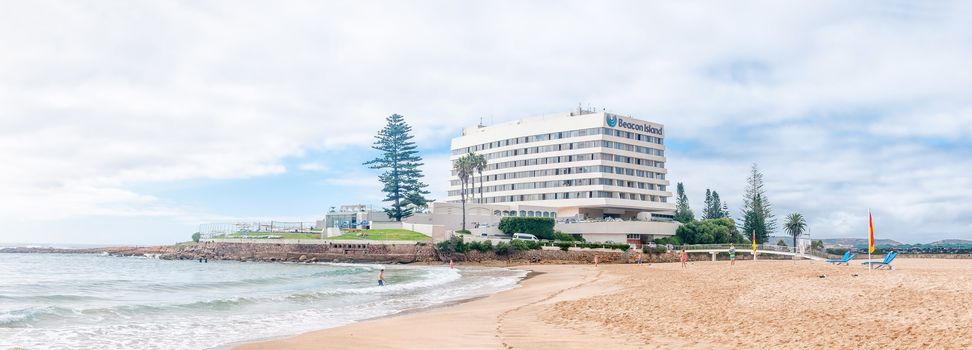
(332, 232)
(437, 232)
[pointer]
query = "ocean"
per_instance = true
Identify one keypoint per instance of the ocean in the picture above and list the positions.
(86, 301)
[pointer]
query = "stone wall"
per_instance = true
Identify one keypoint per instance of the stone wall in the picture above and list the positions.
(331, 252)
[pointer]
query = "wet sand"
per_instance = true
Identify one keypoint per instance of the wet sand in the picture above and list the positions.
(923, 303)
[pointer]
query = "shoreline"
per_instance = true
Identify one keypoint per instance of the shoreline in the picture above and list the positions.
(536, 282)
(406, 312)
(708, 305)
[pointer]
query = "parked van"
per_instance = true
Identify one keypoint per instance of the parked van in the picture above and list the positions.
(525, 237)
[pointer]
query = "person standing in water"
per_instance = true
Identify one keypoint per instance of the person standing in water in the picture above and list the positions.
(451, 264)
(684, 257)
(381, 278)
(732, 254)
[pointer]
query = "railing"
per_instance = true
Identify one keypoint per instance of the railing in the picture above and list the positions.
(742, 248)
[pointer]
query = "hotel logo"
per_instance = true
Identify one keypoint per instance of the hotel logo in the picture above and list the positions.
(614, 121)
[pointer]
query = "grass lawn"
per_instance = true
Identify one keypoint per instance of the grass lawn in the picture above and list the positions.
(383, 235)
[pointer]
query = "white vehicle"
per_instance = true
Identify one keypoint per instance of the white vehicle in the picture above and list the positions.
(525, 237)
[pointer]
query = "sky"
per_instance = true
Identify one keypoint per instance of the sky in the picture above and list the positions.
(133, 122)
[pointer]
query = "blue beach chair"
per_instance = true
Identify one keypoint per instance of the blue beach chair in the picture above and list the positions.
(844, 259)
(886, 263)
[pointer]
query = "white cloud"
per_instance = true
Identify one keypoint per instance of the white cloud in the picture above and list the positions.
(97, 99)
(313, 167)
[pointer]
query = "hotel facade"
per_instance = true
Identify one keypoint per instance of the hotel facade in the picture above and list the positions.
(601, 175)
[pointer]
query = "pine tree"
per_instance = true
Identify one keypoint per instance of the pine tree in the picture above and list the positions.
(757, 211)
(716, 208)
(400, 160)
(713, 206)
(683, 213)
(725, 209)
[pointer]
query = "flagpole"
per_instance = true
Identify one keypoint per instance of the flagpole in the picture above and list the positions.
(754, 245)
(870, 239)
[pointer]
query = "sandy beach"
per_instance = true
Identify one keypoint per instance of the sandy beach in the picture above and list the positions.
(923, 303)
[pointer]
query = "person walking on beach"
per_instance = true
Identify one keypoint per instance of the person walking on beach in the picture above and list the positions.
(732, 254)
(638, 260)
(381, 278)
(684, 257)
(595, 260)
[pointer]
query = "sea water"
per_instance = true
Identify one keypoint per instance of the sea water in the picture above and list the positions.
(85, 301)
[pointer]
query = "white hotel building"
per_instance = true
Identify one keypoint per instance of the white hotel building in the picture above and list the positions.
(601, 175)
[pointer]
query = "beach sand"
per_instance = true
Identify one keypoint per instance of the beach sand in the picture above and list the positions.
(923, 303)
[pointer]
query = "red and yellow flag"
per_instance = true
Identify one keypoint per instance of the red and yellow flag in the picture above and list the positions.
(754, 241)
(870, 232)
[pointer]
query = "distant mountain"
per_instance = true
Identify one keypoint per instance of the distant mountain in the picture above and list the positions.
(951, 241)
(774, 239)
(849, 242)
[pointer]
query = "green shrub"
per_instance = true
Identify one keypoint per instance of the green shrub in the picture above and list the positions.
(710, 231)
(502, 248)
(482, 247)
(534, 245)
(563, 237)
(565, 245)
(519, 244)
(673, 240)
(453, 245)
(540, 227)
(196, 236)
(465, 232)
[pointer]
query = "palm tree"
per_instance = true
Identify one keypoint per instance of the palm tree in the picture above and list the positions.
(463, 169)
(479, 163)
(795, 226)
(471, 171)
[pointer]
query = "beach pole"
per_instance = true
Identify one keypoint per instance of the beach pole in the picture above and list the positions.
(870, 239)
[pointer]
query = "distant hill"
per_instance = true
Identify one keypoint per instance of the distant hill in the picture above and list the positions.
(951, 241)
(774, 239)
(847, 242)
